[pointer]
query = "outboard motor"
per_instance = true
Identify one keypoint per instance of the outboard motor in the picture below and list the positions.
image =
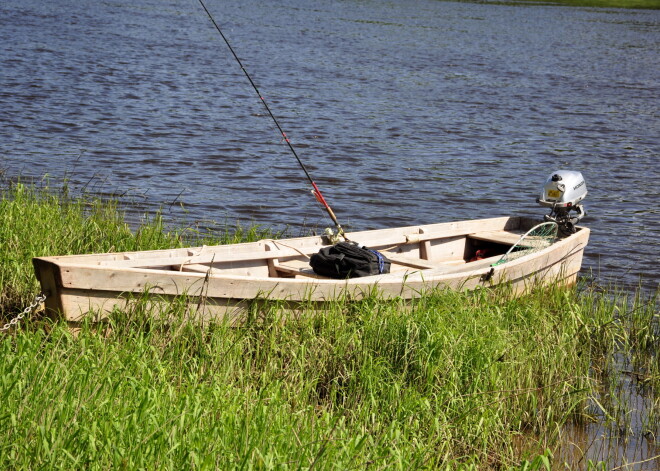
(563, 191)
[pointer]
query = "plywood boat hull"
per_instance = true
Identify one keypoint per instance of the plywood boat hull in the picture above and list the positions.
(223, 280)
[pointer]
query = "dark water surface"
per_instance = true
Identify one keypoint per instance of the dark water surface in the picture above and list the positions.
(405, 112)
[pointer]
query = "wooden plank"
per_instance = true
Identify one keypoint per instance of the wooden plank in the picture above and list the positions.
(449, 249)
(297, 271)
(197, 268)
(272, 262)
(499, 237)
(409, 261)
(81, 304)
(424, 247)
(202, 259)
(206, 254)
(48, 275)
(295, 268)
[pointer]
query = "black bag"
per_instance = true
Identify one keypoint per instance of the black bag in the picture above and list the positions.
(348, 260)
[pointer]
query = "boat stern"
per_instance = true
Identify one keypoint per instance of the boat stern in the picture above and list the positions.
(48, 275)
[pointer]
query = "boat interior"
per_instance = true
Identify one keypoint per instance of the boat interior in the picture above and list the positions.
(452, 254)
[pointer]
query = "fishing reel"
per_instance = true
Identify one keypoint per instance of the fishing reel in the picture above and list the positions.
(563, 191)
(332, 237)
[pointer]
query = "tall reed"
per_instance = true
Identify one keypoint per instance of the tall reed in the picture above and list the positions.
(449, 382)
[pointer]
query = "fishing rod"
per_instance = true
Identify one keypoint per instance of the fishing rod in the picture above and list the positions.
(315, 191)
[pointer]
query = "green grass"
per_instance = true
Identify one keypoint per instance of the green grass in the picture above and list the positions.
(448, 382)
(451, 381)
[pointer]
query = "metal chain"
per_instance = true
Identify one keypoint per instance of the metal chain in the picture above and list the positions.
(37, 301)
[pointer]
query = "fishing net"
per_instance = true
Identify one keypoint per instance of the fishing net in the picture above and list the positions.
(537, 238)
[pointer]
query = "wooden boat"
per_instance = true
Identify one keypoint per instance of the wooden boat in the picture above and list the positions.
(223, 280)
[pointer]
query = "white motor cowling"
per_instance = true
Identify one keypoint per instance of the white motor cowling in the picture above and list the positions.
(563, 191)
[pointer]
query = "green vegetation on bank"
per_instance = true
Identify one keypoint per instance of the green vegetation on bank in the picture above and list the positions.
(633, 4)
(640, 4)
(452, 381)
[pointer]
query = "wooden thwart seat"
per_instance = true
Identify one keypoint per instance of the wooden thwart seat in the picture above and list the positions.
(291, 268)
(499, 237)
(412, 262)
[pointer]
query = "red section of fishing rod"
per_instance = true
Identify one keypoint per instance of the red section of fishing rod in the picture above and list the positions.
(322, 200)
(317, 192)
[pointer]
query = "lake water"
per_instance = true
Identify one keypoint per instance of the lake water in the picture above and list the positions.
(405, 112)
